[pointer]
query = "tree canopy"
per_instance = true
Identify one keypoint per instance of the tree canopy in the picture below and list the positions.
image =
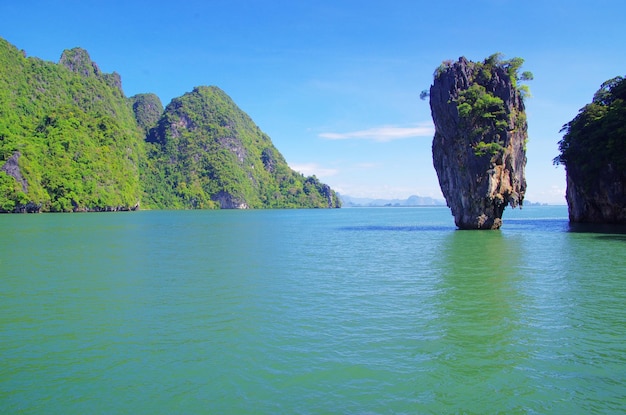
(480, 107)
(596, 138)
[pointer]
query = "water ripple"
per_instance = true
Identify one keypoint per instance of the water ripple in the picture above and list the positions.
(353, 311)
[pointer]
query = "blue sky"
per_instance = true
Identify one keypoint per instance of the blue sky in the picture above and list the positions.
(335, 83)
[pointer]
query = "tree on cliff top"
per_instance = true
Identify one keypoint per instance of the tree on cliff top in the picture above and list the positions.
(511, 66)
(596, 138)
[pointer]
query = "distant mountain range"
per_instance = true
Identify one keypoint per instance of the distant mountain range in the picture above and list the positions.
(349, 201)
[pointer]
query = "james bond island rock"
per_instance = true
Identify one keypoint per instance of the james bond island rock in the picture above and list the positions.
(593, 151)
(479, 147)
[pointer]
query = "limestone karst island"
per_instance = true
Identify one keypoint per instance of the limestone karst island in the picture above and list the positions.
(70, 140)
(479, 147)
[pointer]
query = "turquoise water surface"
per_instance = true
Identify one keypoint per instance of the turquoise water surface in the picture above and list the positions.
(350, 311)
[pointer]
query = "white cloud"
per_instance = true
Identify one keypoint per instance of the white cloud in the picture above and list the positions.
(309, 169)
(367, 166)
(383, 134)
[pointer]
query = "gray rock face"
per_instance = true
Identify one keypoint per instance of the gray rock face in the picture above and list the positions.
(479, 143)
(12, 168)
(77, 60)
(593, 151)
(228, 201)
(605, 202)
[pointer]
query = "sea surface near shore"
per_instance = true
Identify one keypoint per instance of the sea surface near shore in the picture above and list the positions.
(364, 310)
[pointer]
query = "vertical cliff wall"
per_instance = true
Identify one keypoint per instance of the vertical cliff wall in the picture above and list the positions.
(593, 151)
(603, 202)
(480, 136)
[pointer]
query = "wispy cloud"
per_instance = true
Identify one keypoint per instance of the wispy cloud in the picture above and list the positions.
(383, 134)
(367, 166)
(309, 169)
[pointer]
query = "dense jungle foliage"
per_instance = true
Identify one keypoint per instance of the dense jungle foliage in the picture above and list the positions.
(482, 109)
(71, 141)
(76, 138)
(595, 140)
(204, 149)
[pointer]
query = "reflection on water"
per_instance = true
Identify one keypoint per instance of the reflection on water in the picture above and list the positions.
(478, 272)
(609, 229)
(480, 301)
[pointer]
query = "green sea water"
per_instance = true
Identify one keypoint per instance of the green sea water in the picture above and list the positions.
(350, 311)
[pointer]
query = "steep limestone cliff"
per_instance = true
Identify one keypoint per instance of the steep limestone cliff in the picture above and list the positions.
(605, 202)
(593, 151)
(12, 168)
(480, 136)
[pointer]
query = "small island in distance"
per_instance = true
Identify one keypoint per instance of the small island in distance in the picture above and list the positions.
(412, 201)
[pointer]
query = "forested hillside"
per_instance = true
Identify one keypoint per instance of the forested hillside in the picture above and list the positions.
(70, 134)
(205, 152)
(71, 141)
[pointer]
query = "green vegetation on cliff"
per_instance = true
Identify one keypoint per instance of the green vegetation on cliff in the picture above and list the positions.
(595, 140)
(71, 132)
(70, 140)
(480, 104)
(481, 107)
(205, 152)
